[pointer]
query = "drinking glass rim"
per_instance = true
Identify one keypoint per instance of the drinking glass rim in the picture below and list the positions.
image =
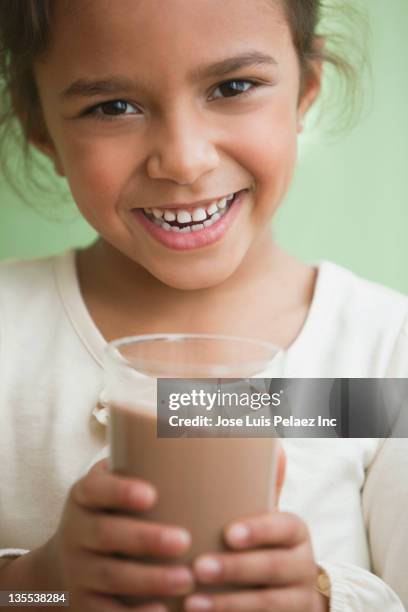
(118, 358)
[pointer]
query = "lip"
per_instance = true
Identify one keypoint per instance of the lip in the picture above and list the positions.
(192, 240)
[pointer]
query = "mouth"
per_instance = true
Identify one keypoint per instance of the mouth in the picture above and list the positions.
(190, 220)
(182, 228)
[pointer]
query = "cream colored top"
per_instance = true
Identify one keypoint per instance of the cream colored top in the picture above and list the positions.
(353, 493)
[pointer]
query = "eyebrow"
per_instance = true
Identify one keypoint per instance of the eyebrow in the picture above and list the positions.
(95, 87)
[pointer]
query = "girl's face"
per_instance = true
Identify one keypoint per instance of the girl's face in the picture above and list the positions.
(192, 101)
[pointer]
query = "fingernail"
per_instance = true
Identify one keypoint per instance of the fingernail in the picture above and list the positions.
(175, 537)
(238, 533)
(143, 494)
(197, 603)
(180, 577)
(208, 567)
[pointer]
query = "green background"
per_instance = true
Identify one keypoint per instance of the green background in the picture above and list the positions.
(349, 199)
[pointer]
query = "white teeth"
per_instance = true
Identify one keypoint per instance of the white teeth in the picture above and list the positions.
(208, 223)
(184, 217)
(199, 214)
(169, 215)
(213, 208)
(216, 210)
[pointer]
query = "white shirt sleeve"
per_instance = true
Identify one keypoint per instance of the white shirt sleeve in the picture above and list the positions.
(354, 589)
(398, 364)
(384, 506)
(7, 554)
(385, 503)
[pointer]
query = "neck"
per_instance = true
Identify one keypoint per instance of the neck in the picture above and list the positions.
(267, 279)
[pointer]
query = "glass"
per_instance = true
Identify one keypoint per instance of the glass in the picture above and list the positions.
(202, 483)
(191, 355)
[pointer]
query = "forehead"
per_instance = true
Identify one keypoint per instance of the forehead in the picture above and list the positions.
(99, 34)
(142, 12)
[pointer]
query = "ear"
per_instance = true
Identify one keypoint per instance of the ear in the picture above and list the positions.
(40, 138)
(47, 147)
(312, 80)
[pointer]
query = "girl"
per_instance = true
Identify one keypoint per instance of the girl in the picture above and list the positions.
(175, 124)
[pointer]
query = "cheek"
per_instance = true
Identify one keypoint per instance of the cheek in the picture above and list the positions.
(97, 172)
(267, 148)
(95, 165)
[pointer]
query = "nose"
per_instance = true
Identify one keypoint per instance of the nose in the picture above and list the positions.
(182, 151)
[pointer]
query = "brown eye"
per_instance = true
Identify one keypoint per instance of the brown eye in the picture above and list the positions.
(110, 110)
(232, 89)
(114, 107)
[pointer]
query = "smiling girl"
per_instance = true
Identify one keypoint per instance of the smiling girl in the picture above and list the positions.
(175, 123)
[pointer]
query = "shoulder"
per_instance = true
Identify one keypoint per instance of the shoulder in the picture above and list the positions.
(19, 277)
(13, 271)
(32, 313)
(363, 304)
(361, 296)
(355, 328)
(28, 288)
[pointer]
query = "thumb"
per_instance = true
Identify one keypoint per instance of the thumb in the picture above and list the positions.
(280, 472)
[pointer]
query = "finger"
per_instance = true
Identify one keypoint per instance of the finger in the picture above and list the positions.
(272, 529)
(114, 576)
(278, 600)
(154, 606)
(280, 473)
(100, 489)
(267, 567)
(114, 533)
(102, 465)
(105, 603)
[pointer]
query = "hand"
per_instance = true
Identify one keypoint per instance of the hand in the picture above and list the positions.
(85, 550)
(272, 566)
(273, 562)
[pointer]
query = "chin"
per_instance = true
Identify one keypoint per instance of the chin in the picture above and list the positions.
(191, 279)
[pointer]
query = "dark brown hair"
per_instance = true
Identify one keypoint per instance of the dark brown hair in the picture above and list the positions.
(25, 33)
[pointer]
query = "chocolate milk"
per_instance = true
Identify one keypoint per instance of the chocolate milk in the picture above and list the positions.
(203, 483)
